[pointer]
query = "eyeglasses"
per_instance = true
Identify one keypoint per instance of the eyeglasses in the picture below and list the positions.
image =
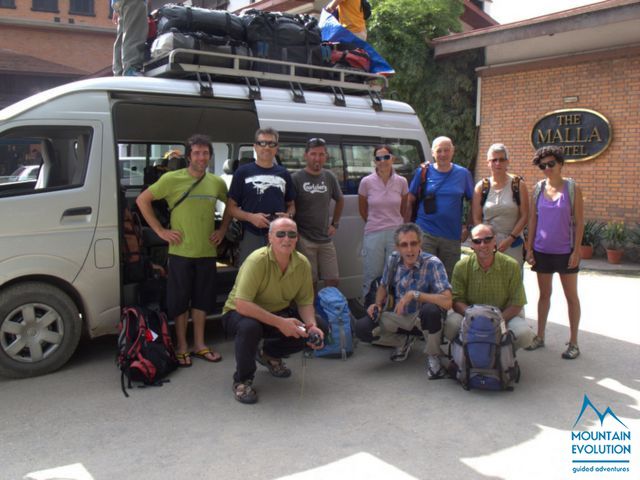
(315, 142)
(500, 160)
(264, 143)
(286, 233)
(408, 244)
(544, 166)
(379, 158)
(485, 240)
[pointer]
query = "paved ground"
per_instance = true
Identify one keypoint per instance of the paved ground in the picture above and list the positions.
(363, 418)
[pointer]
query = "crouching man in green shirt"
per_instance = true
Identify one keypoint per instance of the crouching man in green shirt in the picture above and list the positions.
(260, 306)
(491, 278)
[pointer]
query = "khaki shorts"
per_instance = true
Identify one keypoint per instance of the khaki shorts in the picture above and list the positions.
(323, 258)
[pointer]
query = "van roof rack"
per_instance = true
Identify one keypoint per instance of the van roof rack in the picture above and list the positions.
(254, 71)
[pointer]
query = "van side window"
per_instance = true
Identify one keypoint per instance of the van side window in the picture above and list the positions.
(350, 159)
(40, 159)
(141, 163)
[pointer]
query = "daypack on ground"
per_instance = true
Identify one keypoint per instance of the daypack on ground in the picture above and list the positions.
(145, 351)
(483, 352)
(332, 306)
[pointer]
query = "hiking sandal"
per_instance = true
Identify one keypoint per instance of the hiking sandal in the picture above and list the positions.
(536, 343)
(244, 392)
(276, 366)
(571, 353)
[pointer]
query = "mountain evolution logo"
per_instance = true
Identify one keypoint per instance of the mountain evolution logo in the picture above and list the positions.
(598, 449)
(587, 403)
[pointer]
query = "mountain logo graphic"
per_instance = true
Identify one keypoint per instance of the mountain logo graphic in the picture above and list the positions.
(587, 403)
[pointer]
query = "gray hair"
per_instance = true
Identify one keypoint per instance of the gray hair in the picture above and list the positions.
(279, 220)
(480, 225)
(498, 147)
(406, 228)
(267, 131)
(440, 139)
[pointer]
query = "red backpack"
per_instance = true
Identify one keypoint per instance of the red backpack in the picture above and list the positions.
(145, 350)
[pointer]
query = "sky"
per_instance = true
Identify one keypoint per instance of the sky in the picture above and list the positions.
(505, 11)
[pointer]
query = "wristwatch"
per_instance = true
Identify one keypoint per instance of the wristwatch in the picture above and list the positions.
(416, 295)
(335, 224)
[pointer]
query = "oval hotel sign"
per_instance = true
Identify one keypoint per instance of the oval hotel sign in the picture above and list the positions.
(582, 134)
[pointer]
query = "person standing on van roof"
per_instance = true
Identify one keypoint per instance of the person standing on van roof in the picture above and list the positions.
(382, 202)
(128, 50)
(439, 216)
(315, 187)
(351, 16)
(191, 193)
(259, 307)
(260, 192)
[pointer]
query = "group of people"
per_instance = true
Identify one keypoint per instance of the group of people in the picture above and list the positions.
(424, 286)
(270, 308)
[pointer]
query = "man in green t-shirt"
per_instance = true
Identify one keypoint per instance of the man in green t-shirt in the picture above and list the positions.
(191, 194)
(270, 280)
(489, 277)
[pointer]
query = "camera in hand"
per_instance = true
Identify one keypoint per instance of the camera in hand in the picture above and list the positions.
(314, 339)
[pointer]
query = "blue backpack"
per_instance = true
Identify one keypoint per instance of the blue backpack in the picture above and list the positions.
(483, 352)
(332, 306)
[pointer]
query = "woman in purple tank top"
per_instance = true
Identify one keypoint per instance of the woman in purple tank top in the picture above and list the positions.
(556, 225)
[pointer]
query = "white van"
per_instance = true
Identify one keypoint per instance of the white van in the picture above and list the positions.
(61, 263)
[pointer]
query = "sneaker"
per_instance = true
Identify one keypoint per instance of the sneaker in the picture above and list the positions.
(244, 392)
(132, 72)
(437, 375)
(401, 353)
(276, 366)
(535, 344)
(571, 352)
(435, 370)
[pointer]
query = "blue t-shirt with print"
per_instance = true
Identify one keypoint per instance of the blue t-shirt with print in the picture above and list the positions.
(450, 188)
(261, 190)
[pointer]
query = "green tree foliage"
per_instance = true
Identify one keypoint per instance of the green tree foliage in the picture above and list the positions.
(442, 92)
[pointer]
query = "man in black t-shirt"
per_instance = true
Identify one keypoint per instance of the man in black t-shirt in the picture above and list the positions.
(259, 192)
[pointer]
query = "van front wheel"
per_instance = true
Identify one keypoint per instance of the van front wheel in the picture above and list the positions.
(39, 329)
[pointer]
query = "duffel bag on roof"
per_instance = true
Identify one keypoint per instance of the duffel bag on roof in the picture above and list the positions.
(281, 29)
(194, 19)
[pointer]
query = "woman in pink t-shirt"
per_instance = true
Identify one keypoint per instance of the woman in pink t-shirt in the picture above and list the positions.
(382, 201)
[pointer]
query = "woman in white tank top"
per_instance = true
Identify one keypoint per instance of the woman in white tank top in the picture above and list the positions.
(499, 207)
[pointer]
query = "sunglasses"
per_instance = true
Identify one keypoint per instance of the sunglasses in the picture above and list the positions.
(499, 160)
(379, 158)
(544, 166)
(264, 143)
(485, 240)
(286, 233)
(408, 244)
(314, 142)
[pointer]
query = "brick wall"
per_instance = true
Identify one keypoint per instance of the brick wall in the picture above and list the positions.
(86, 44)
(512, 102)
(23, 10)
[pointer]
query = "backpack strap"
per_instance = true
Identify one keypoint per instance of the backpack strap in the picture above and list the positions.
(515, 188)
(186, 194)
(423, 179)
(486, 186)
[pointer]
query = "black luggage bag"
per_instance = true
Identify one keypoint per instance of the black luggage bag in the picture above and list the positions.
(194, 19)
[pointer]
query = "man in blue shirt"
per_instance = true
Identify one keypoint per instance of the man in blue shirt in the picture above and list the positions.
(418, 283)
(446, 185)
(260, 192)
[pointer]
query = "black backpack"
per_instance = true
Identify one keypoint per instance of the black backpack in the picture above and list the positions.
(515, 189)
(145, 350)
